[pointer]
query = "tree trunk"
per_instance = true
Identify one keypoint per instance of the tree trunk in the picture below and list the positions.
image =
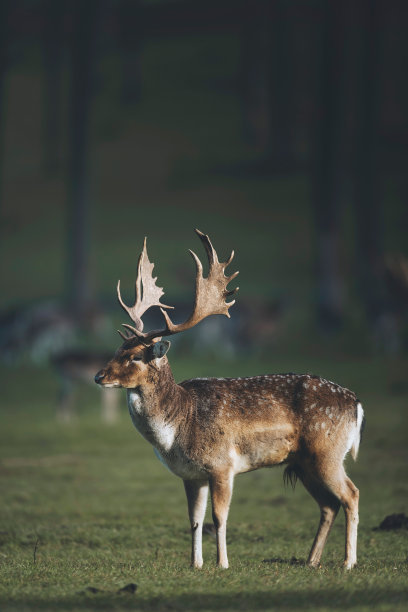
(328, 173)
(368, 183)
(4, 17)
(82, 46)
(255, 76)
(281, 88)
(367, 172)
(53, 56)
(130, 33)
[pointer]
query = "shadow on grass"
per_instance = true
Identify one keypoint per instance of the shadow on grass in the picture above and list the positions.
(291, 561)
(283, 600)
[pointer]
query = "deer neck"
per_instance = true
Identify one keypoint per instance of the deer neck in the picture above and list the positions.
(158, 407)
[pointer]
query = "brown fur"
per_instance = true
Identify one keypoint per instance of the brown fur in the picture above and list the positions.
(208, 430)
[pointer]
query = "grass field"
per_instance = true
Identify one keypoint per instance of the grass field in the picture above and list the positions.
(87, 505)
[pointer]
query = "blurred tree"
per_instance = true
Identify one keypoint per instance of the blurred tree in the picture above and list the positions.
(282, 85)
(255, 73)
(82, 61)
(328, 172)
(268, 83)
(52, 57)
(366, 167)
(130, 40)
(4, 33)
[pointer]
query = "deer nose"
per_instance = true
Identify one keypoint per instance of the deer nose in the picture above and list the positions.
(99, 376)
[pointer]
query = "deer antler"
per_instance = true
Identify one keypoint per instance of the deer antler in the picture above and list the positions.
(147, 294)
(211, 292)
(210, 295)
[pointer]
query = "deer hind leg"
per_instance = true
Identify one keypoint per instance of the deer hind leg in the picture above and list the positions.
(329, 507)
(334, 481)
(349, 502)
(197, 494)
(221, 493)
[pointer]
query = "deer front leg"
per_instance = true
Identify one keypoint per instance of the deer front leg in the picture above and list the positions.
(197, 493)
(221, 492)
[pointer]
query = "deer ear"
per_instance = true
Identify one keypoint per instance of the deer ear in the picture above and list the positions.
(159, 349)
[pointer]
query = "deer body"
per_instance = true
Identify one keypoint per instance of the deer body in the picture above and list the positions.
(208, 430)
(242, 424)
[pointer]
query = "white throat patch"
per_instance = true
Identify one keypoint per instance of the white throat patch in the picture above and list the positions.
(135, 401)
(164, 433)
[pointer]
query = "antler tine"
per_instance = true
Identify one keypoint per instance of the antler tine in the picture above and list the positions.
(122, 335)
(147, 294)
(133, 331)
(211, 253)
(213, 258)
(131, 310)
(210, 293)
(231, 257)
(232, 292)
(127, 334)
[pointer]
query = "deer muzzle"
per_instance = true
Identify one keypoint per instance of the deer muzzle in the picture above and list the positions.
(99, 376)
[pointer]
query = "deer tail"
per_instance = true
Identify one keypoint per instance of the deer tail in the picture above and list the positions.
(358, 432)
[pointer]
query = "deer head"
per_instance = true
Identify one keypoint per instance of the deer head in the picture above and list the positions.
(141, 351)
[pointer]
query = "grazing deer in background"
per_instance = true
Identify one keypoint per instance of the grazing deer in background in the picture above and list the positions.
(75, 366)
(207, 430)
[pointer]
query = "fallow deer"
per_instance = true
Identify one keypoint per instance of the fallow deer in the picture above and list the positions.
(207, 430)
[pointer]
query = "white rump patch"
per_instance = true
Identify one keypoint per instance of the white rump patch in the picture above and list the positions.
(356, 434)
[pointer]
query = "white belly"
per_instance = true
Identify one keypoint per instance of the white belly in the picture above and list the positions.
(176, 462)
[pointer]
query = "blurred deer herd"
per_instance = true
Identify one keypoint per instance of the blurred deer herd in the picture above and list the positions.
(46, 333)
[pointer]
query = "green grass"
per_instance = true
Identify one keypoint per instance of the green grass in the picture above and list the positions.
(87, 505)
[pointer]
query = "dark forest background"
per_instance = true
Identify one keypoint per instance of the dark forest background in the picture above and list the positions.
(277, 127)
